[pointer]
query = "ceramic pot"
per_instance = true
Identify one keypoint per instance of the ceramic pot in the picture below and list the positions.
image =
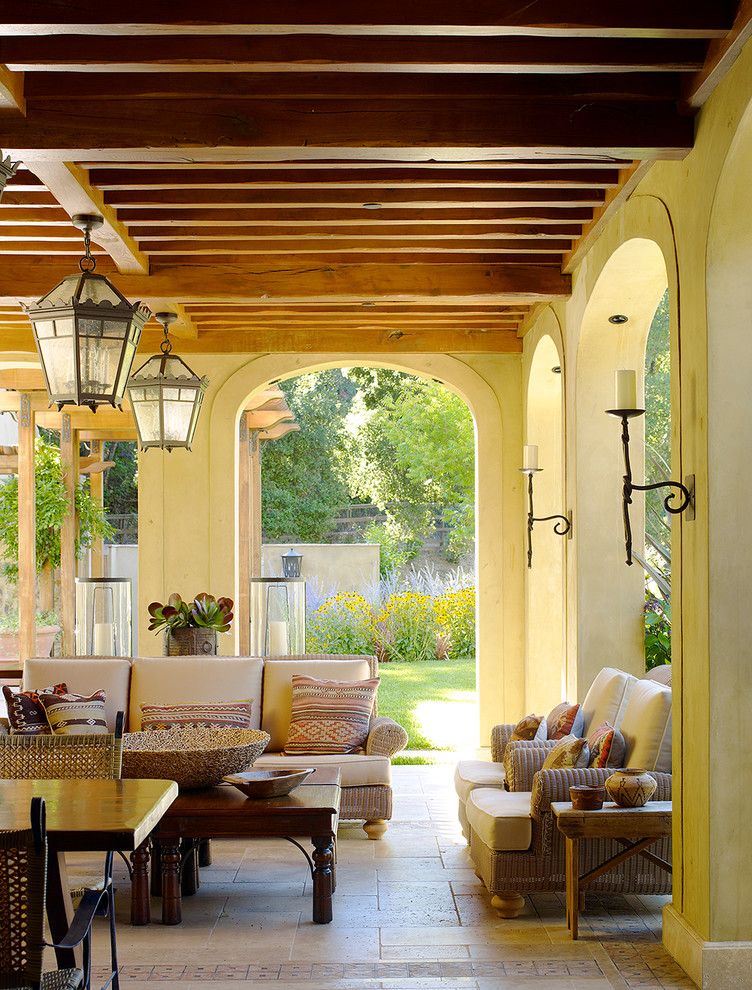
(587, 797)
(9, 648)
(190, 642)
(630, 788)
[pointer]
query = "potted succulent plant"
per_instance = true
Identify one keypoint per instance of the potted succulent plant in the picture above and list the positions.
(191, 628)
(47, 629)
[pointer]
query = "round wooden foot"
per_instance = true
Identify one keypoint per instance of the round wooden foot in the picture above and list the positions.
(508, 905)
(375, 828)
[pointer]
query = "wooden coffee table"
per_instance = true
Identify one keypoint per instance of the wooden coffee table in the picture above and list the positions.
(643, 826)
(311, 812)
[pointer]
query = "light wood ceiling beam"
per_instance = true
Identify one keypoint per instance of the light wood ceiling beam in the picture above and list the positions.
(12, 90)
(578, 18)
(315, 245)
(10, 215)
(343, 217)
(370, 166)
(70, 186)
(335, 198)
(721, 55)
(199, 310)
(460, 129)
(301, 53)
(259, 283)
(349, 259)
(373, 232)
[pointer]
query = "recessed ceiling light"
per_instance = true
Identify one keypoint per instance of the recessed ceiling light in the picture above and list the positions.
(372, 206)
(618, 318)
(556, 369)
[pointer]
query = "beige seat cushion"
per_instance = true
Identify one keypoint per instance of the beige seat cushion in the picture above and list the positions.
(277, 701)
(470, 774)
(662, 674)
(646, 727)
(501, 819)
(84, 675)
(180, 680)
(607, 698)
(357, 770)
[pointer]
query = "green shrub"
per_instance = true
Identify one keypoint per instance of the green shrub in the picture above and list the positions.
(455, 614)
(657, 632)
(342, 624)
(407, 627)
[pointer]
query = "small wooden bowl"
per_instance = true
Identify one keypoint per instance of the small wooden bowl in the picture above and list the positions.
(587, 797)
(268, 783)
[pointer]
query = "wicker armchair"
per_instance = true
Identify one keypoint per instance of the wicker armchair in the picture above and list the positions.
(23, 880)
(72, 757)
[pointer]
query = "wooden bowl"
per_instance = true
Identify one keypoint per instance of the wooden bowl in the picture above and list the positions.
(587, 797)
(268, 783)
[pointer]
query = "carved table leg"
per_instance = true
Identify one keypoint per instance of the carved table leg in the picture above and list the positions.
(156, 868)
(140, 907)
(171, 907)
(323, 861)
(204, 852)
(189, 882)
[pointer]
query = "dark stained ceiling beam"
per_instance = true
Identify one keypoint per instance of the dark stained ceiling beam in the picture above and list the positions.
(344, 217)
(579, 18)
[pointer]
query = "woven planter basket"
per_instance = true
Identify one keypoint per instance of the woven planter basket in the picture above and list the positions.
(193, 758)
(190, 642)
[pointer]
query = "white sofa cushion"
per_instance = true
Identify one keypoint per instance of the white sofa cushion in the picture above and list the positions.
(500, 819)
(180, 680)
(646, 727)
(607, 698)
(662, 674)
(84, 675)
(470, 774)
(277, 702)
(357, 769)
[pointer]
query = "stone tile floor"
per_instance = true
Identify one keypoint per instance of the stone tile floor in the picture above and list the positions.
(409, 915)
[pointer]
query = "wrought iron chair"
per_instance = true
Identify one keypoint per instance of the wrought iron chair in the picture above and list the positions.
(23, 881)
(73, 757)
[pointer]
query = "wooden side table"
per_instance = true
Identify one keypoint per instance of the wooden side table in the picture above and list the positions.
(633, 828)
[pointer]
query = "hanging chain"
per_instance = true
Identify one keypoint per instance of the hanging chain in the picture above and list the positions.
(87, 263)
(165, 347)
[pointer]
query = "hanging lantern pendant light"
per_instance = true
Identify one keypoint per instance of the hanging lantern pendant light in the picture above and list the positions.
(166, 397)
(86, 333)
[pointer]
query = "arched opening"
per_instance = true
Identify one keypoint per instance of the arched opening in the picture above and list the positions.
(615, 327)
(545, 671)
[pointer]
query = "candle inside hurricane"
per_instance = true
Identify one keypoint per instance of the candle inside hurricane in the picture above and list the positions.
(626, 389)
(530, 457)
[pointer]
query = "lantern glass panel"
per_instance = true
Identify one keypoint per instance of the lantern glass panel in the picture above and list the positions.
(99, 360)
(177, 418)
(146, 413)
(103, 617)
(277, 617)
(129, 354)
(58, 356)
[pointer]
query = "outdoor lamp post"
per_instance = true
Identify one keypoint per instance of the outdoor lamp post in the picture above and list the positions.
(166, 397)
(291, 563)
(7, 171)
(563, 524)
(680, 498)
(86, 333)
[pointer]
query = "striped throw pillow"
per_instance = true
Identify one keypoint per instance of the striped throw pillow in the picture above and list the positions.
(75, 714)
(224, 714)
(329, 716)
(26, 714)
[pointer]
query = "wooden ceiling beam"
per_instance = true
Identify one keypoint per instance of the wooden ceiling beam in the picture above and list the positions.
(314, 245)
(460, 129)
(344, 259)
(199, 310)
(344, 217)
(10, 215)
(372, 232)
(579, 18)
(721, 55)
(12, 90)
(375, 166)
(70, 186)
(259, 283)
(340, 53)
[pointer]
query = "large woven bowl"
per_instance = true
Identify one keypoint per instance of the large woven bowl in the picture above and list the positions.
(193, 758)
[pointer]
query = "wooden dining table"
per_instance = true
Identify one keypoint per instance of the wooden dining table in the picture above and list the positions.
(84, 816)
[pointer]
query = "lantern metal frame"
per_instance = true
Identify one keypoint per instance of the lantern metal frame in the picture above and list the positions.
(292, 562)
(7, 170)
(78, 308)
(171, 373)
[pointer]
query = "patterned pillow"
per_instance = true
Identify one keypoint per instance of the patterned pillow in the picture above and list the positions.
(26, 713)
(226, 714)
(565, 720)
(571, 753)
(607, 746)
(75, 714)
(531, 727)
(329, 716)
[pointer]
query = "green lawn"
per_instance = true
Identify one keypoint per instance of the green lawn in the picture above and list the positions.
(436, 702)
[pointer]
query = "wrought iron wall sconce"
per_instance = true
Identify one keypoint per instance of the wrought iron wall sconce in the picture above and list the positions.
(563, 524)
(680, 497)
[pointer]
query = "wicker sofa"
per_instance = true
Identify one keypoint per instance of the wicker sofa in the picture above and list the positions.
(514, 843)
(129, 683)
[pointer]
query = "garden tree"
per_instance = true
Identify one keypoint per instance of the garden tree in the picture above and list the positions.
(302, 484)
(411, 450)
(120, 482)
(658, 430)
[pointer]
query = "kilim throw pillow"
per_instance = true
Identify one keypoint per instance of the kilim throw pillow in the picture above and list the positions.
(26, 714)
(329, 716)
(565, 720)
(225, 714)
(531, 727)
(571, 753)
(75, 714)
(607, 746)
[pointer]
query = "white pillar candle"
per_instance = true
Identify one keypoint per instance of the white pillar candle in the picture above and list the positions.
(626, 390)
(278, 646)
(104, 639)
(530, 457)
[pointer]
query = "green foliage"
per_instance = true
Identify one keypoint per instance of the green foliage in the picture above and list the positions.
(407, 628)
(455, 614)
(204, 612)
(395, 551)
(121, 481)
(9, 621)
(302, 482)
(657, 632)
(342, 624)
(51, 509)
